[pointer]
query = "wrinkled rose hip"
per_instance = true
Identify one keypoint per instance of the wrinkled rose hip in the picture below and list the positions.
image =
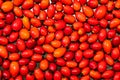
(59, 39)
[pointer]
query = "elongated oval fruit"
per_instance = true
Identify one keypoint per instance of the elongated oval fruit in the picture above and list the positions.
(108, 74)
(48, 48)
(95, 74)
(87, 11)
(44, 64)
(114, 23)
(107, 46)
(59, 52)
(80, 16)
(99, 56)
(3, 52)
(100, 12)
(14, 68)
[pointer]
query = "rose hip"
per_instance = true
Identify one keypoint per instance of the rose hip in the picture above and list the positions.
(59, 39)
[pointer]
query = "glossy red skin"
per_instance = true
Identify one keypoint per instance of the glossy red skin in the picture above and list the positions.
(116, 13)
(52, 67)
(84, 46)
(3, 40)
(28, 77)
(102, 35)
(28, 13)
(48, 75)
(23, 70)
(116, 76)
(85, 71)
(43, 31)
(58, 15)
(2, 16)
(111, 33)
(74, 77)
(109, 16)
(34, 32)
(6, 64)
(30, 43)
(93, 65)
(35, 22)
(95, 29)
(27, 53)
(10, 18)
(20, 45)
(93, 21)
(83, 63)
(59, 35)
(38, 49)
(102, 66)
(93, 3)
(14, 68)
(65, 41)
(36, 57)
(38, 73)
(116, 41)
(23, 61)
(42, 15)
(87, 27)
(67, 30)
(74, 36)
(89, 53)
(115, 53)
(3, 52)
(78, 55)
(13, 36)
(83, 38)
(2, 23)
(7, 30)
(108, 74)
(17, 24)
(27, 4)
(82, 2)
(19, 77)
(68, 9)
(40, 40)
(69, 56)
(60, 24)
(69, 19)
(96, 46)
(104, 1)
(57, 75)
(75, 71)
(92, 38)
(36, 9)
(50, 57)
(92, 42)
(14, 56)
(50, 11)
(116, 66)
(6, 74)
(31, 65)
(100, 12)
(12, 48)
(60, 62)
(65, 71)
(109, 60)
(50, 37)
(103, 23)
(49, 22)
(73, 46)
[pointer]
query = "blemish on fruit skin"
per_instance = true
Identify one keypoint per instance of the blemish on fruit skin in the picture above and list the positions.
(59, 39)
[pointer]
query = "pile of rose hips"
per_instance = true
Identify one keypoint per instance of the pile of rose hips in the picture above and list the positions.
(59, 39)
